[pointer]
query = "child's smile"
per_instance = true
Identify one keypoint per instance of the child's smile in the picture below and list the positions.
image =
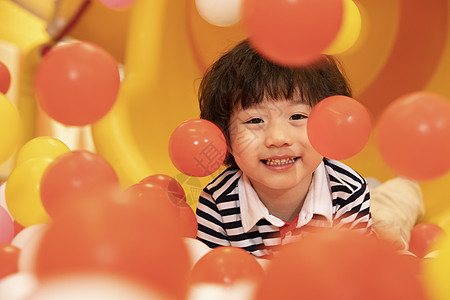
(270, 144)
(281, 162)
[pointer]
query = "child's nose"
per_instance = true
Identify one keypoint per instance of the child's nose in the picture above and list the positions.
(277, 136)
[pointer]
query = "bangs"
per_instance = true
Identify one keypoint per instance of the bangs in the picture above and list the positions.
(275, 82)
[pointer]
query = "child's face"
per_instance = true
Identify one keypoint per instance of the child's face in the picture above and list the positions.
(270, 144)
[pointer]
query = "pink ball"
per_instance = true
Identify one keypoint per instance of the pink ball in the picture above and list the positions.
(117, 4)
(6, 227)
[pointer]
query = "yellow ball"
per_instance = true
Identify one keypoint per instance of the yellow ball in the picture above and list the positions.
(437, 270)
(350, 29)
(10, 128)
(22, 192)
(43, 146)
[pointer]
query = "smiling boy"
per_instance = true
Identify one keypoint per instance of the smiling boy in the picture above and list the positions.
(277, 188)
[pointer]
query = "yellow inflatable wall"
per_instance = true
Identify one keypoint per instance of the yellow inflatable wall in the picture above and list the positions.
(165, 46)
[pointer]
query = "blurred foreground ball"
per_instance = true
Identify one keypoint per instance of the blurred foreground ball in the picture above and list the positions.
(292, 32)
(338, 127)
(340, 265)
(414, 135)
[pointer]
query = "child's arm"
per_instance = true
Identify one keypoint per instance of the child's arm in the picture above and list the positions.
(351, 198)
(210, 225)
(397, 205)
(356, 213)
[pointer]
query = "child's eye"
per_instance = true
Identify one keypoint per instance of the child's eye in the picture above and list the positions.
(298, 117)
(255, 121)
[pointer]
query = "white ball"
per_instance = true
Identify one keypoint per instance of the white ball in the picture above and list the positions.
(242, 290)
(220, 12)
(28, 240)
(18, 286)
(90, 286)
(29, 233)
(196, 249)
(2, 198)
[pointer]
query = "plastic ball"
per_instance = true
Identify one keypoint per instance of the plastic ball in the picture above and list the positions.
(334, 265)
(338, 127)
(196, 249)
(18, 286)
(423, 238)
(292, 32)
(117, 4)
(132, 239)
(5, 78)
(197, 147)
(22, 192)
(6, 226)
(349, 32)
(414, 135)
(219, 12)
(9, 258)
(76, 176)
(10, 126)
(174, 189)
(153, 193)
(42, 146)
(226, 265)
(437, 270)
(95, 286)
(77, 83)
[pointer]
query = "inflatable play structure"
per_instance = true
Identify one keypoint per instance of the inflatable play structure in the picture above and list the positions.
(162, 48)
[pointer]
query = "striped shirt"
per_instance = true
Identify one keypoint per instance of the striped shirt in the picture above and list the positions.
(222, 203)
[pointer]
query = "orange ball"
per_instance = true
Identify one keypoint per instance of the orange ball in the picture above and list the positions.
(77, 83)
(174, 189)
(9, 259)
(226, 265)
(292, 32)
(338, 127)
(183, 217)
(340, 265)
(423, 237)
(76, 176)
(5, 78)
(134, 239)
(414, 135)
(197, 147)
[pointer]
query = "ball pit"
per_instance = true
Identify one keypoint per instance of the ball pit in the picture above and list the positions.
(168, 46)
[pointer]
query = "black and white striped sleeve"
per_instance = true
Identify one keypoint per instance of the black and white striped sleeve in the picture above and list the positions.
(211, 229)
(351, 194)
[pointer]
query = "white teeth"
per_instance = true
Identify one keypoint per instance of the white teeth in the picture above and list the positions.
(279, 162)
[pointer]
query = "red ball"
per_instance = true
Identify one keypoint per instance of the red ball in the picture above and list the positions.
(183, 217)
(340, 265)
(338, 127)
(76, 176)
(5, 78)
(134, 239)
(77, 83)
(226, 265)
(414, 135)
(292, 32)
(9, 259)
(174, 189)
(423, 237)
(197, 147)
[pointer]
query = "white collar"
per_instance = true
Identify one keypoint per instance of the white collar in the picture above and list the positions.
(317, 201)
